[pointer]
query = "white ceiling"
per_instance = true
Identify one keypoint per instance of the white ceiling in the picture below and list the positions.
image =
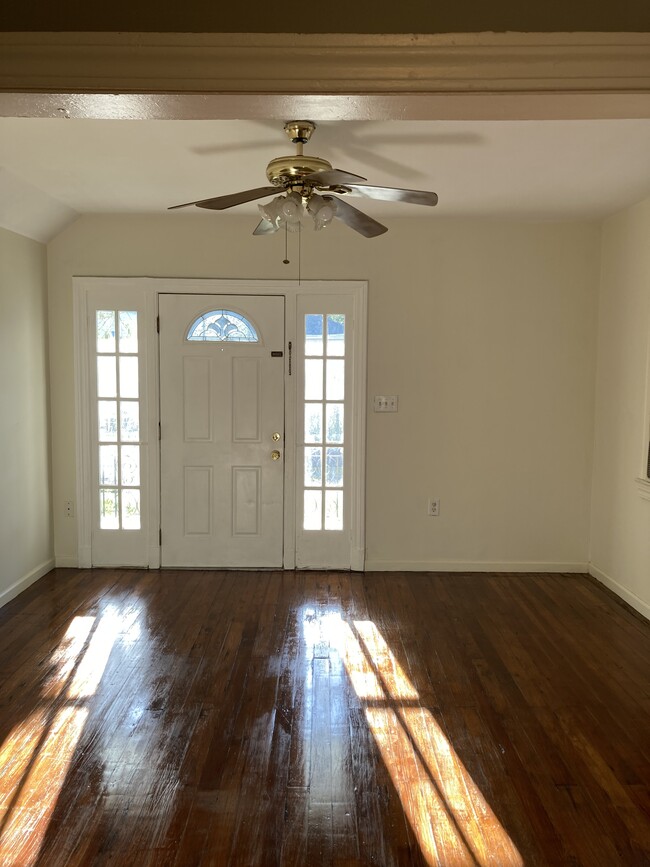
(51, 170)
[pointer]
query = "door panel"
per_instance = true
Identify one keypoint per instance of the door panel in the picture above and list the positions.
(197, 501)
(246, 484)
(246, 376)
(196, 399)
(221, 401)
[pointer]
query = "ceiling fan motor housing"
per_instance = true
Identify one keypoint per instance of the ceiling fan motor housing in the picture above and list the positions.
(286, 171)
(289, 172)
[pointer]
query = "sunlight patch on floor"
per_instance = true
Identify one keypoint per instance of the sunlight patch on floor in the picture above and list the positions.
(450, 817)
(31, 811)
(65, 657)
(451, 820)
(397, 684)
(36, 755)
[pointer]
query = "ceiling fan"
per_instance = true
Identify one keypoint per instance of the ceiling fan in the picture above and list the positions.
(300, 179)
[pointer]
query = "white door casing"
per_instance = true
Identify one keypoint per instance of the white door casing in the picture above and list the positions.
(302, 549)
(222, 435)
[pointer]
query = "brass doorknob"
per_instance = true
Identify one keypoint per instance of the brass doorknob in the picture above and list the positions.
(275, 455)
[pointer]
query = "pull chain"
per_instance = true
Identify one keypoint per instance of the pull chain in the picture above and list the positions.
(285, 261)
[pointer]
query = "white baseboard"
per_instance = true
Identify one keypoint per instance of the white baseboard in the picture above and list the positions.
(67, 562)
(24, 582)
(631, 598)
(469, 566)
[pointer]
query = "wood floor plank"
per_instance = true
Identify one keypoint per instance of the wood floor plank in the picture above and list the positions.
(186, 718)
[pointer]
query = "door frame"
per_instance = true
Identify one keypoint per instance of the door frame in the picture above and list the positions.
(87, 290)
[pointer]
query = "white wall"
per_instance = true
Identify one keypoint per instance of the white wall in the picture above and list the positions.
(485, 330)
(25, 526)
(620, 546)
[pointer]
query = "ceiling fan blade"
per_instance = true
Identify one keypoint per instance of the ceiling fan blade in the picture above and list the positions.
(356, 219)
(265, 227)
(333, 178)
(392, 194)
(220, 203)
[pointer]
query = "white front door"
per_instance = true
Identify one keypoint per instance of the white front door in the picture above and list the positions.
(222, 430)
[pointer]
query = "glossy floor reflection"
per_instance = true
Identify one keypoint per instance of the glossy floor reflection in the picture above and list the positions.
(276, 719)
(449, 816)
(451, 821)
(36, 755)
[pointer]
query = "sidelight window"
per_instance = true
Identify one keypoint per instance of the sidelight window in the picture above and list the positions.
(324, 395)
(118, 419)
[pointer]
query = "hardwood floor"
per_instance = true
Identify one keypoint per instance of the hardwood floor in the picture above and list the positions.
(285, 718)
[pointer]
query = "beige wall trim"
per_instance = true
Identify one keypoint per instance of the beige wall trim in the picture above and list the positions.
(324, 63)
(327, 107)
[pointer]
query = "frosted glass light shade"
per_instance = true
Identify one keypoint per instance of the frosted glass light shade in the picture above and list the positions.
(271, 210)
(291, 208)
(322, 210)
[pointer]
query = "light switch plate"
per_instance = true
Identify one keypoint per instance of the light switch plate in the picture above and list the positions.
(385, 403)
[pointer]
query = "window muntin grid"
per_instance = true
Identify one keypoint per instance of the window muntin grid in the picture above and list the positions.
(323, 405)
(118, 417)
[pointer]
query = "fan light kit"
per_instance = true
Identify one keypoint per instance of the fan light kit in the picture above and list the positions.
(301, 179)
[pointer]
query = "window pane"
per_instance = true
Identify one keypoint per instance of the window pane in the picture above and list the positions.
(334, 467)
(335, 380)
(314, 334)
(333, 510)
(128, 375)
(130, 466)
(105, 320)
(313, 466)
(128, 331)
(313, 423)
(336, 334)
(334, 422)
(106, 377)
(107, 420)
(109, 515)
(313, 379)
(129, 420)
(131, 510)
(312, 517)
(108, 465)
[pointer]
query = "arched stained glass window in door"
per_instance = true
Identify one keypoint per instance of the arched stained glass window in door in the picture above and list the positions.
(223, 326)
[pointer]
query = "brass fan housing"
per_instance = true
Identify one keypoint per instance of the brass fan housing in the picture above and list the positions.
(283, 171)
